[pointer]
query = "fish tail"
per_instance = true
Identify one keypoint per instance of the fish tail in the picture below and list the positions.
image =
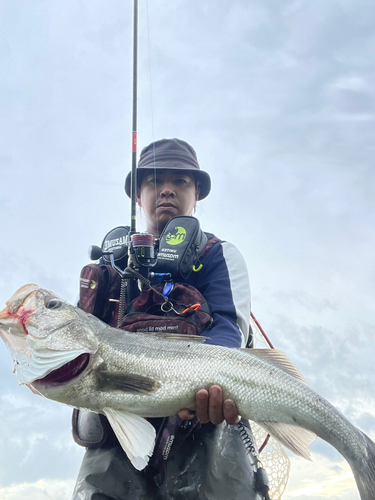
(364, 469)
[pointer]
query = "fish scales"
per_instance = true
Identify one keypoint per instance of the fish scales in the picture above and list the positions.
(74, 358)
(262, 392)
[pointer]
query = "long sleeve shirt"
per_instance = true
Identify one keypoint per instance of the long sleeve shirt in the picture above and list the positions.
(223, 281)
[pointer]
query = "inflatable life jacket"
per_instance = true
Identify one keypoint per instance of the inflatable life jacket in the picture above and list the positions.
(172, 306)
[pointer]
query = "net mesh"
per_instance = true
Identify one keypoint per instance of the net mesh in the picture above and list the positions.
(273, 457)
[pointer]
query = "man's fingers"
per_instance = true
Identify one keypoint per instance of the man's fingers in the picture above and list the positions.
(231, 412)
(201, 406)
(211, 407)
(215, 407)
(186, 414)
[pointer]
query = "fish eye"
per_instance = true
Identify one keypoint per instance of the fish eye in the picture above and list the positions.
(53, 304)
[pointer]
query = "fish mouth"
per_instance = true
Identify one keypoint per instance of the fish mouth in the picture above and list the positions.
(65, 373)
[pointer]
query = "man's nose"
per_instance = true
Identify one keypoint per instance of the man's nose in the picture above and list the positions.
(167, 190)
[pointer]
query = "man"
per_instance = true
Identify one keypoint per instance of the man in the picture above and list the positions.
(208, 458)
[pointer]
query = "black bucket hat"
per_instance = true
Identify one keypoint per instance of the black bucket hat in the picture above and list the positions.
(173, 154)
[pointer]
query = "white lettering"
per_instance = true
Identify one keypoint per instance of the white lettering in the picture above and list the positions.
(167, 447)
(114, 243)
(168, 250)
(167, 256)
(85, 283)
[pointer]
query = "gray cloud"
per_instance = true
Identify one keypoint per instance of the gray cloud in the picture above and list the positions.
(36, 437)
(278, 101)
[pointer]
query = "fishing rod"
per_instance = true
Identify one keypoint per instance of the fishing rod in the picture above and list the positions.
(130, 253)
(133, 190)
(115, 245)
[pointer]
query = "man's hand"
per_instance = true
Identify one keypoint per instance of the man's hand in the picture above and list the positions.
(210, 406)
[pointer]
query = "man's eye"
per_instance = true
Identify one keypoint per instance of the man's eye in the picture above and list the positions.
(181, 181)
(53, 304)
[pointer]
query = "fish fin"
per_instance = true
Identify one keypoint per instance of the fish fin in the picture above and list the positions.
(295, 438)
(126, 382)
(199, 339)
(279, 359)
(135, 434)
(34, 391)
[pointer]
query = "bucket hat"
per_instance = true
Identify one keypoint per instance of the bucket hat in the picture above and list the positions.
(173, 154)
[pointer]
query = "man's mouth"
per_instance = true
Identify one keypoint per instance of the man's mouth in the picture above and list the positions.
(166, 205)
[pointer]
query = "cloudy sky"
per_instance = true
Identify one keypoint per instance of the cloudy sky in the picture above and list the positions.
(277, 98)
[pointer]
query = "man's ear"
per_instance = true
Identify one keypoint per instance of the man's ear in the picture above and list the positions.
(139, 200)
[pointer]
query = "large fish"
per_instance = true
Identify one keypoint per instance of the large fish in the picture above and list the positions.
(72, 357)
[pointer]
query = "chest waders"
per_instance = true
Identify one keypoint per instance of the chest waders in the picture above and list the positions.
(210, 463)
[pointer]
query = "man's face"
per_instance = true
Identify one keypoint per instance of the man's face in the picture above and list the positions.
(165, 194)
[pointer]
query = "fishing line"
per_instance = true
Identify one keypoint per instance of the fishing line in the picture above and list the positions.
(152, 112)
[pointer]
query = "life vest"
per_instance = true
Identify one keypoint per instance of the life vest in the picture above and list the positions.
(174, 307)
(183, 310)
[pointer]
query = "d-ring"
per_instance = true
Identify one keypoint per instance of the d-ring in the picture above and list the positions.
(170, 307)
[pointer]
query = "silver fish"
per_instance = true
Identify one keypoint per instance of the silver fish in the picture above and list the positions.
(72, 357)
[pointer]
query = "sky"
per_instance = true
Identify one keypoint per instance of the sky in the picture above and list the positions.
(277, 98)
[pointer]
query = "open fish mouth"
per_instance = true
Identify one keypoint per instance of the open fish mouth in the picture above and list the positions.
(65, 373)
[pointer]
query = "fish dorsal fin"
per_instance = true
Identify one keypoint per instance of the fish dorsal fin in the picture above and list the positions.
(199, 339)
(293, 437)
(135, 434)
(279, 359)
(126, 382)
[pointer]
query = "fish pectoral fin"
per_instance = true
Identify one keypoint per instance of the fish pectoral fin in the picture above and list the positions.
(126, 382)
(293, 437)
(135, 434)
(279, 359)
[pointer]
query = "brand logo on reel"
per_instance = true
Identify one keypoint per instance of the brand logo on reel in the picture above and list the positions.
(177, 237)
(117, 242)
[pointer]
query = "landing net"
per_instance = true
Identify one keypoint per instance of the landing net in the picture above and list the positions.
(272, 457)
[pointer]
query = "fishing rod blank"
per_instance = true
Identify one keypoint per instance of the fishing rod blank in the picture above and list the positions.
(133, 192)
